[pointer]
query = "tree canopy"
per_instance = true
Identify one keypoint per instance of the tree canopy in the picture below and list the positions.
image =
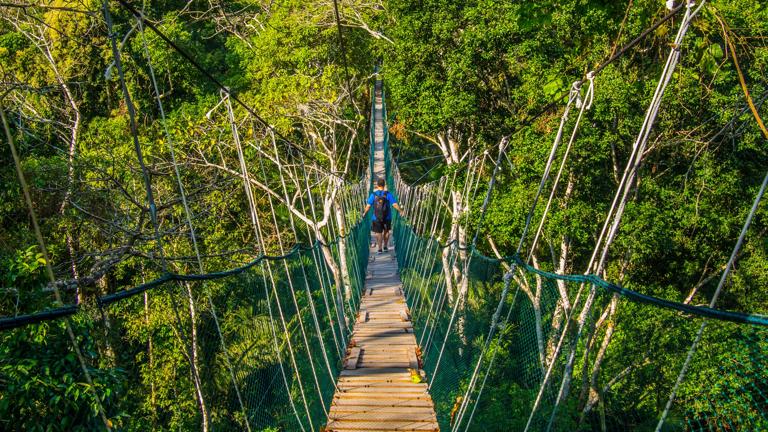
(467, 84)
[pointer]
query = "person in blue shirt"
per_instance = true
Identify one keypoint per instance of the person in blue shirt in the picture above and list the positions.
(382, 202)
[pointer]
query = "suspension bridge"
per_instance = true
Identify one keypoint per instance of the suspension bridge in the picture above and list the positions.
(381, 387)
(434, 335)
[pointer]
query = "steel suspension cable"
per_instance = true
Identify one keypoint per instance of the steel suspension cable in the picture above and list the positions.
(293, 293)
(339, 307)
(321, 275)
(574, 98)
(624, 189)
(331, 375)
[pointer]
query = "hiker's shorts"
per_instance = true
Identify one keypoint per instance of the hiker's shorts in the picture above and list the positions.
(380, 226)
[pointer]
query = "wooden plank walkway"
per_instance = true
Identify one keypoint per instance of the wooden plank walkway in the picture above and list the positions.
(379, 388)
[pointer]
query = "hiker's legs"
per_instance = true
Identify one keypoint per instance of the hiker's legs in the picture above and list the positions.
(378, 228)
(386, 233)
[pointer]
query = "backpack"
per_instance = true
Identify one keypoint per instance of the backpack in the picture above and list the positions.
(381, 206)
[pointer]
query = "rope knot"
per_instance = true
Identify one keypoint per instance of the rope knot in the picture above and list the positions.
(576, 87)
(507, 277)
(589, 96)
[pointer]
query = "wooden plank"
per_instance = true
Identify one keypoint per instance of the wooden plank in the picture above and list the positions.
(368, 416)
(387, 396)
(393, 316)
(384, 330)
(376, 429)
(382, 306)
(390, 342)
(382, 390)
(385, 354)
(413, 360)
(354, 357)
(349, 383)
(344, 425)
(384, 402)
(398, 355)
(380, 332)
(396, 372)
(376, 380)
(381, 341)
(382, 326)
(384, 363)
(383, 334)
(348, 409)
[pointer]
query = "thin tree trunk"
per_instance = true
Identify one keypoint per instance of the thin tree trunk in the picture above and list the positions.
(337, 278)
(109, 350)
(71, 152)
(447, 273)
(588, 345)
(345, 271)
(150, 351)
(594, 394)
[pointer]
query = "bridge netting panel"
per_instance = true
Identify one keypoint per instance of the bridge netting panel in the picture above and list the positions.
(568, 352)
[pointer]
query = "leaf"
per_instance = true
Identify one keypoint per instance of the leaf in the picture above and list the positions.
(553, 86)
(716, 51)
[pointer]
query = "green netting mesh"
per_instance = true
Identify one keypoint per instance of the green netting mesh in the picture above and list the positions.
(724, 389)
(285, 375)
(570, 352)
(255, 348)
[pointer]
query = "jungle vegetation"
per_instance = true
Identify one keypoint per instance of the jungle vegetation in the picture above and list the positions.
(462, 79)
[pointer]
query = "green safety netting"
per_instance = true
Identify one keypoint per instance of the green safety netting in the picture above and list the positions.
(591, 382)
(724, 390)
(285, 376)
(257, 347)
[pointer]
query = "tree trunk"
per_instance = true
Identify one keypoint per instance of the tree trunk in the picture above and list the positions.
(557, 327)
(72, 150)
(109, 350)
(593, 390)
(337, 278)
(539, 326)
(150, 353)
(447, 273)
(345, 270)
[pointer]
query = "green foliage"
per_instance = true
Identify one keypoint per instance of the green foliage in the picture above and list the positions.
(448, 75)
(471, 71)
(42, 386)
